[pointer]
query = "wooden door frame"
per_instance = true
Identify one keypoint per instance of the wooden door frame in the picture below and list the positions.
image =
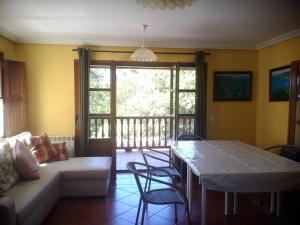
(292, 102)
(113, 65)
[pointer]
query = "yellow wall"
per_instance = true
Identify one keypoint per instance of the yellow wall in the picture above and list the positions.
(50, 85)
(272, 117)
(231, 120)
(8, 48)
(51, 92)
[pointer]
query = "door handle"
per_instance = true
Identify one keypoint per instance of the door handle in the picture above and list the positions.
(298, 122)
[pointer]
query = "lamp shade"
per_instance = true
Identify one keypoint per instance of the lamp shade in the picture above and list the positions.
(143, 55)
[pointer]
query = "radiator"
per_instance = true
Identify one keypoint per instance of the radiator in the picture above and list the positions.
(69, 143)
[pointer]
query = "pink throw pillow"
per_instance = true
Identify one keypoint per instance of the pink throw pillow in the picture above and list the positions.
(25, 161)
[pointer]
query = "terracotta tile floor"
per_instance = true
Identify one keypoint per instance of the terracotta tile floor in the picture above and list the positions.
(120, 207)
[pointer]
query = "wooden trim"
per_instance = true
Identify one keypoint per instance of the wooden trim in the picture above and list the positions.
(99, 89)
(270, 83)
(14, 97)
(233, 72)
(293, 100)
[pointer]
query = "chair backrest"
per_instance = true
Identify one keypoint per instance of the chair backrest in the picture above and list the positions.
(154, 154)
(141, 150)
(189, 137)
(131, 166)
(291, 152)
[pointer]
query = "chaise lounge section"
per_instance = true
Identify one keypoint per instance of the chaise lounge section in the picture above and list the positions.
(29, 201)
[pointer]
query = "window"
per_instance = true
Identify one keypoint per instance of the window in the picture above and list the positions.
(99, 101)
(186, 101)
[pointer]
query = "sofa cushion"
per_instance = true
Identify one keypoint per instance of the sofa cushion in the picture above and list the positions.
(83, 168)
(28, 195)
(8, 173)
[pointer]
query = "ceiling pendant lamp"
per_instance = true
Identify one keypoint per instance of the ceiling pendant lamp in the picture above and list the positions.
(165, 4)
(143, 54)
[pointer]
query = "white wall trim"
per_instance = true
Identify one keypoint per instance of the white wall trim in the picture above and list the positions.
(8, 35)
(278, 39)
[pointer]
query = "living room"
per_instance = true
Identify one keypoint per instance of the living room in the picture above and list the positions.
(213, 38)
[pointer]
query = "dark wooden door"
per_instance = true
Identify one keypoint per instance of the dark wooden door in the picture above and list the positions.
(101, 108)
(14, 97)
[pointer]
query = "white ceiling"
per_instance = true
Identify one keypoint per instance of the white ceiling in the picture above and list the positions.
(207, 24)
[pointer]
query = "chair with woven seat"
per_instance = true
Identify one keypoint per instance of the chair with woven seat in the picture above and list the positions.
(291, 152)
(171, 194)
(159, 171)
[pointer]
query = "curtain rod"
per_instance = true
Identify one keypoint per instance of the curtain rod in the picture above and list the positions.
(158, 53)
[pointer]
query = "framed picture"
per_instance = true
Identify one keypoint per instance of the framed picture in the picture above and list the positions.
(279, 83)
(232, 86)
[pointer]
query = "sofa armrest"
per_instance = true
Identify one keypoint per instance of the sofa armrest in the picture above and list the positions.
(7, 211)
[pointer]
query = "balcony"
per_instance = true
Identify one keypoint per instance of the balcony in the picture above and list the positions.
(139, 131)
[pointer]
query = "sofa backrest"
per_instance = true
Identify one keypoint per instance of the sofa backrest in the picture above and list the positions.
(25, 136)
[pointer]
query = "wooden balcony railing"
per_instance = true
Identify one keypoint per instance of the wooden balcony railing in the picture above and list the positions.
(140, 131)
(147, 131)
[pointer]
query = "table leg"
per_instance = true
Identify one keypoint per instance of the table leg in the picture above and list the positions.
(235, 203)
(278, 204)
(203, 205)
(226, 204)
(272, 209)
(189, 186)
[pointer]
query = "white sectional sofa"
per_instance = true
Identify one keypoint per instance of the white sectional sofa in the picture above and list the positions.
(29, 201)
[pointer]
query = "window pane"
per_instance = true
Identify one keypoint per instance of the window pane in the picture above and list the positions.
(187, 78)
(186, 125)
(143, 92)
(186, 102)
(100, 102)
(99, 77)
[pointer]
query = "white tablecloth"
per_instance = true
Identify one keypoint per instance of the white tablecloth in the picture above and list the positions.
(233, 166)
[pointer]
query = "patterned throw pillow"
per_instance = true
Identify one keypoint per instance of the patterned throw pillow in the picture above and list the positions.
(8, 173)
(61, 152)
(42, 148)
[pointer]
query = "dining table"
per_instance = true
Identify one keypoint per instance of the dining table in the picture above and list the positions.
(234, 166)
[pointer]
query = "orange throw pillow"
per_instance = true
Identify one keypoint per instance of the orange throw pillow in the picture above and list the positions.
(61, 152)
(42, 148)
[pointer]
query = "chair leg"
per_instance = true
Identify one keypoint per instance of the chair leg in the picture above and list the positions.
(175, 207)
(143, 214)
(138, 212)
